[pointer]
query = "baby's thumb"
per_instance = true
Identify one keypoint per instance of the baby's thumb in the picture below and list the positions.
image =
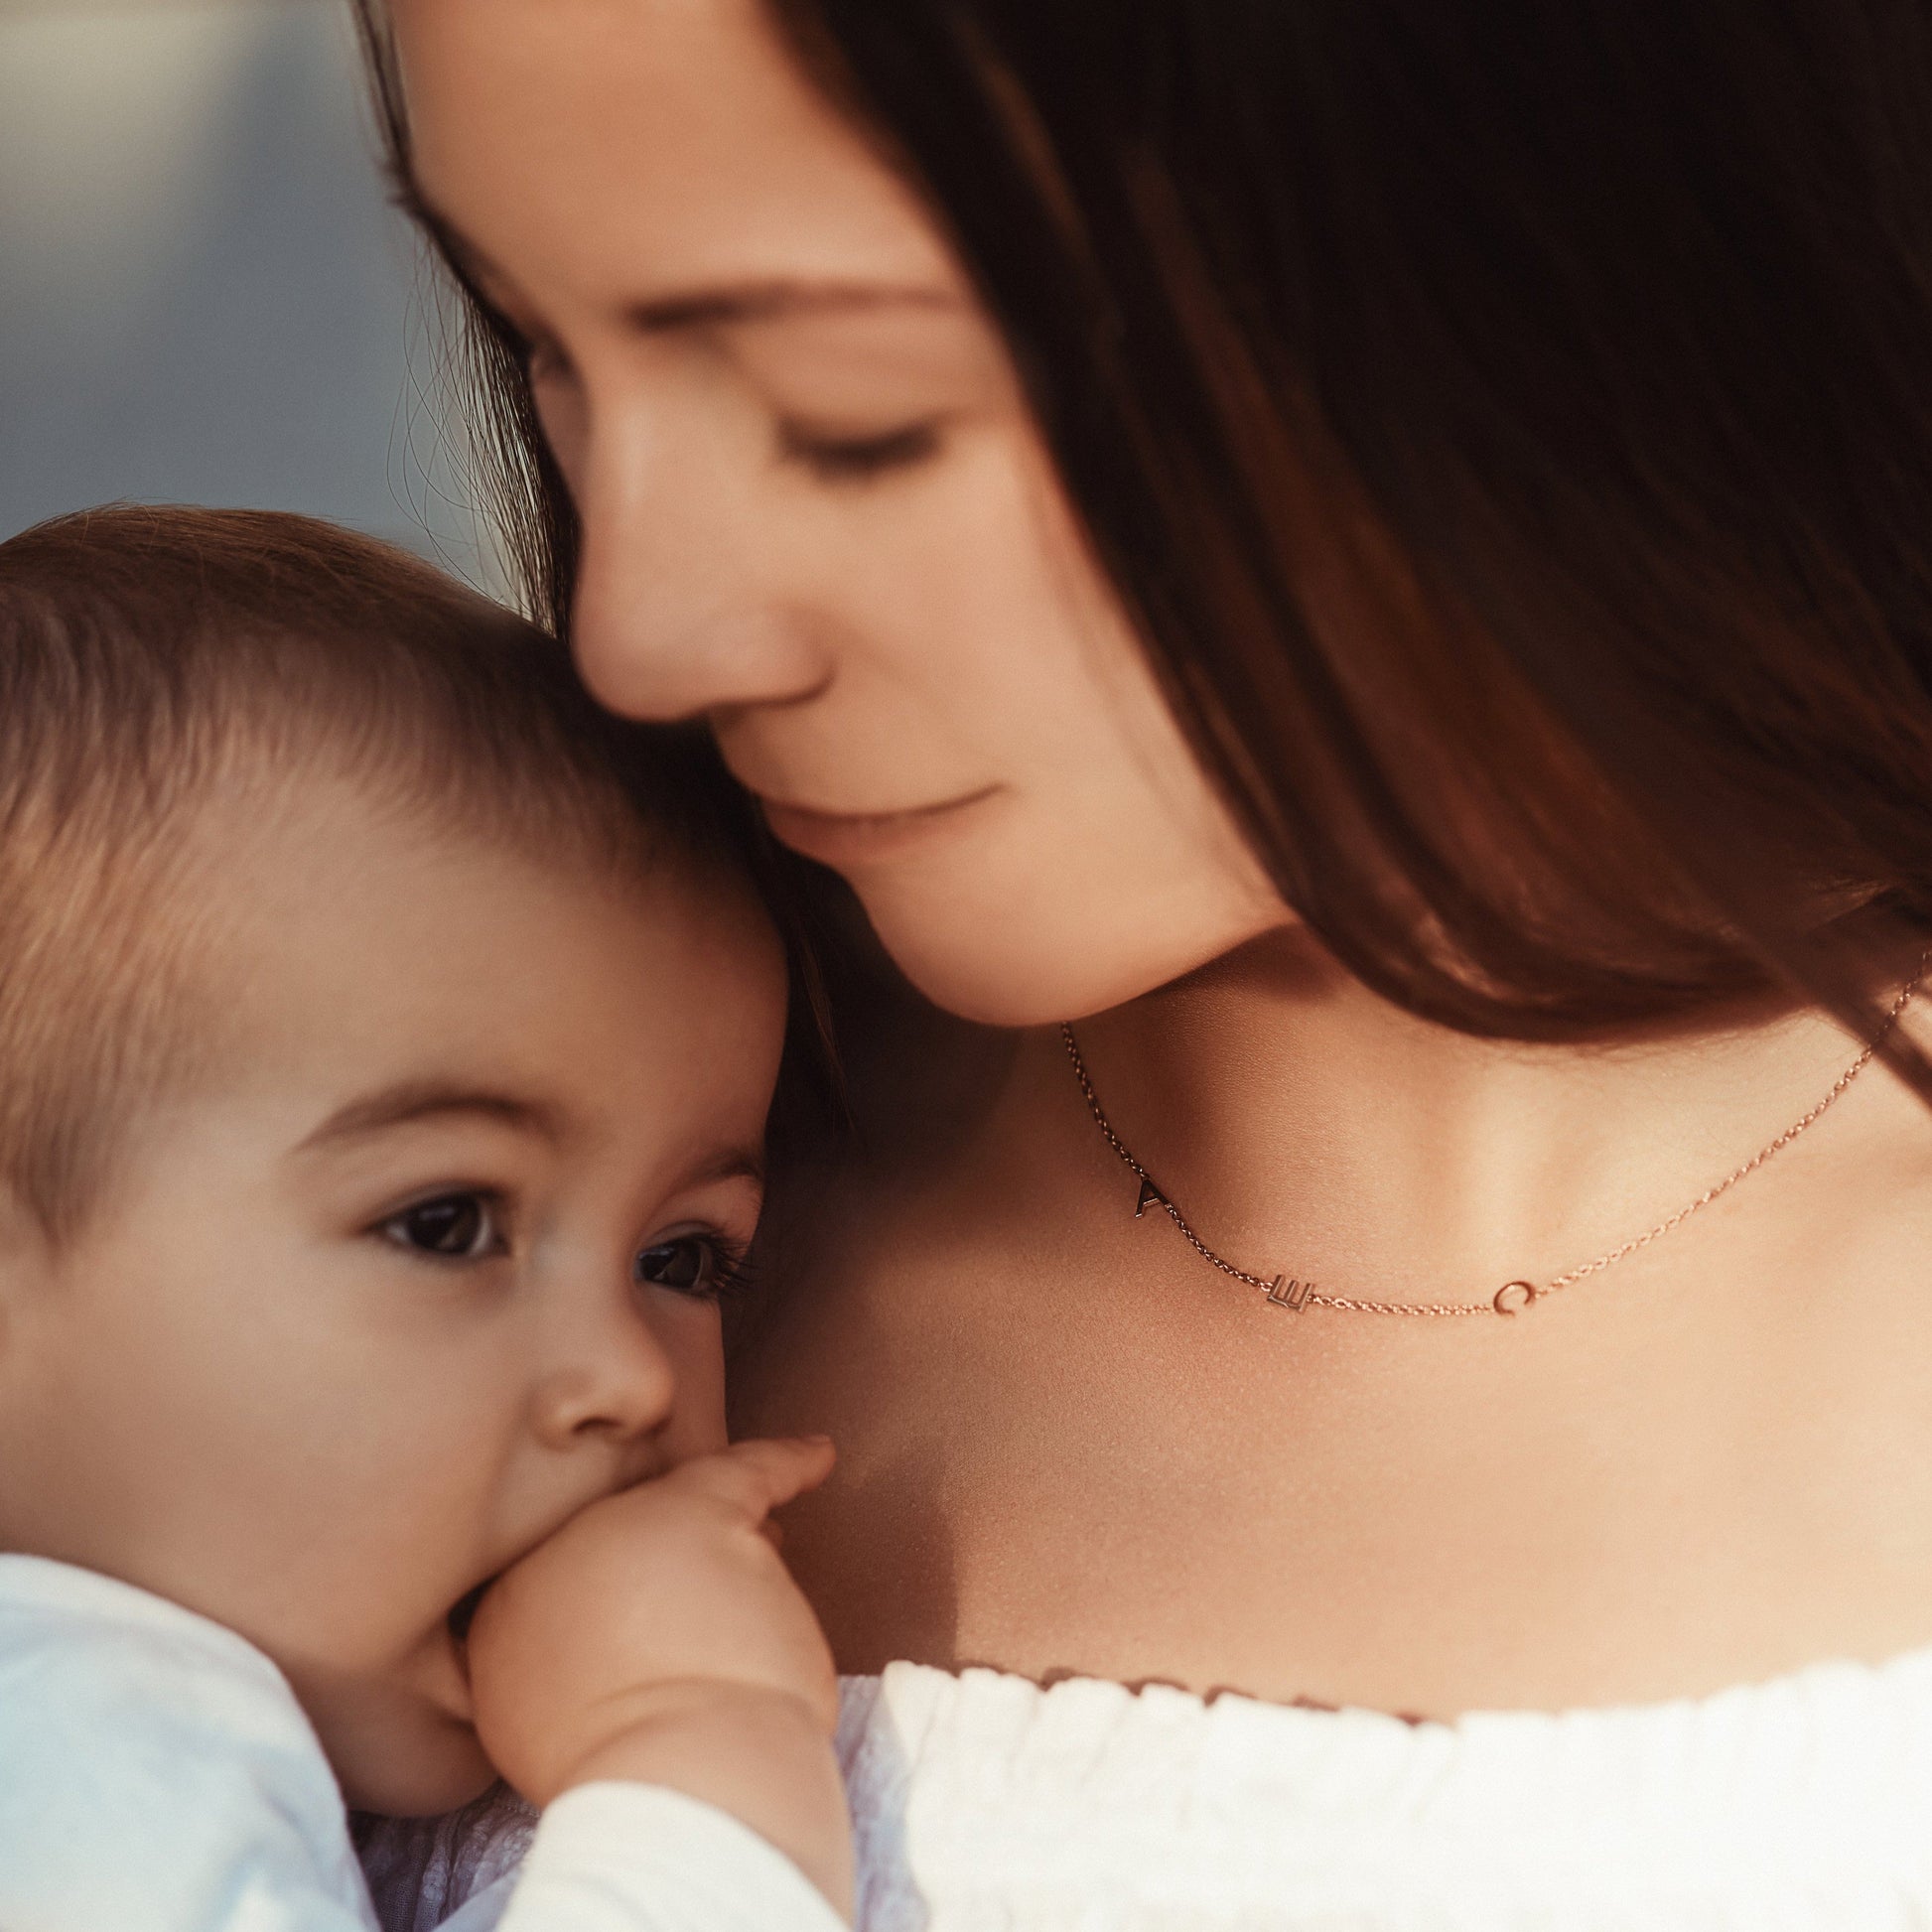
(762, 1475)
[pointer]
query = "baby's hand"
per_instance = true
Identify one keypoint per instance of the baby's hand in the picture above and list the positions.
(657, 1637)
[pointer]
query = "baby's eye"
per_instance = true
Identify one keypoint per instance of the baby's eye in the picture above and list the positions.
(453, 1227)
(690, 1263)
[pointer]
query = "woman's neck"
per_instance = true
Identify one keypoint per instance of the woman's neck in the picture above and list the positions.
(1067, 1444)
(1302, 1123)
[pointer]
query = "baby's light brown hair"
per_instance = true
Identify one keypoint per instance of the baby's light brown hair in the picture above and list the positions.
(157, 664)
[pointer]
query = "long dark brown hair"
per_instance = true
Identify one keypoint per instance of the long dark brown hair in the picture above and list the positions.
(1510, 425)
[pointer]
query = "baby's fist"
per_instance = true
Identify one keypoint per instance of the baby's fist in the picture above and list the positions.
(665, 1606)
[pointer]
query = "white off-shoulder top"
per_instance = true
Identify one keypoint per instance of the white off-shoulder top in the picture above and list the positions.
(985, 1803)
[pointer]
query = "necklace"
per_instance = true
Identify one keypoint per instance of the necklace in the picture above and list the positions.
(1513, 1296)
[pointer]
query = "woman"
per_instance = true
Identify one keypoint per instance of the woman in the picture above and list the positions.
(1374, 558)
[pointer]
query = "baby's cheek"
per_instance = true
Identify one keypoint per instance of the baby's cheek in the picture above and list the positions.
(418, 1764)
(401, 1743)
(695, 1344)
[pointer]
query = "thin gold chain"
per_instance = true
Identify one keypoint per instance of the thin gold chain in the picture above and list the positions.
(1513, 1296)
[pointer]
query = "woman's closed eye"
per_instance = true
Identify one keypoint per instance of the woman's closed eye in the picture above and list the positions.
(464, 1224)
(834, 458)
(702, 1264)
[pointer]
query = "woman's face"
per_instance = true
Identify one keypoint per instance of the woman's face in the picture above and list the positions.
(816, 509)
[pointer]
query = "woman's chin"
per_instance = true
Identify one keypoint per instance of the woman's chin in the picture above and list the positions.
(992, 959)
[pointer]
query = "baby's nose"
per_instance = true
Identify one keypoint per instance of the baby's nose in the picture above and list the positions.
(607, 1378)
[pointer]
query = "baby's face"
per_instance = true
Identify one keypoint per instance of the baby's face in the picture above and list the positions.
(433, 1266)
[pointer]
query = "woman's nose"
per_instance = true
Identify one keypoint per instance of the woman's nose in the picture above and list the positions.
(604, 1377)
(681, 605)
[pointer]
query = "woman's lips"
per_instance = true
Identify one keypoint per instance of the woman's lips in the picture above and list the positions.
(843, 839)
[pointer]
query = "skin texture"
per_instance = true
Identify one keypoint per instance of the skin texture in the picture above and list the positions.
(822, 520)
(248, 1387)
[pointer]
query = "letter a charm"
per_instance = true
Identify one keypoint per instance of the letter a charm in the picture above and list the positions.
(1150, 1196)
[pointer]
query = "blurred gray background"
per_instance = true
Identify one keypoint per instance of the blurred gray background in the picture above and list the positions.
(204, 295)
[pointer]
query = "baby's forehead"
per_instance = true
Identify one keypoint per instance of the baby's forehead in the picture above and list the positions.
(316, 877)
(192, 697)
(360, 971)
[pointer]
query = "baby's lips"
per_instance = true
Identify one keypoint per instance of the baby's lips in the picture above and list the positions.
(463, 1612)
(441, 1672)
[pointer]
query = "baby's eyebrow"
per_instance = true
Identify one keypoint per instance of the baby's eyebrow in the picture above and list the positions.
(410, 1101)
(732, 1163)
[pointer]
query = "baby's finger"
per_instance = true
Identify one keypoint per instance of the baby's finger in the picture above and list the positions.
(759, 1476)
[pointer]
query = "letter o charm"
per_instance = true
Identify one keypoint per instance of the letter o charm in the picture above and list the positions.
(1513, 1296)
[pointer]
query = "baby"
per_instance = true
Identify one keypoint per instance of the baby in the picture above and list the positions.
(387, 1040)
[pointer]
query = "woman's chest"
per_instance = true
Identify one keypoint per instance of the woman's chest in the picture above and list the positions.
(1054, 1468)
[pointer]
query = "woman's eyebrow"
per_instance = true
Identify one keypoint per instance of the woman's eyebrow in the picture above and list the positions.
(768, 299)
(778, 299)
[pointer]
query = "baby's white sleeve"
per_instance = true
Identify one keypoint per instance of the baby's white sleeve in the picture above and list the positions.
(633, 1857)
(158, 1775)
(156, 1772)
